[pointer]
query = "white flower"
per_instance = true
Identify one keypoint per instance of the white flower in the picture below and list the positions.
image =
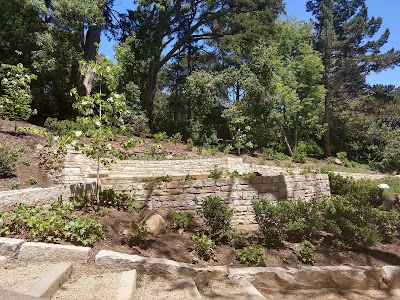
(73, 143)
(97, 123)
(78, 134)
(108, 146)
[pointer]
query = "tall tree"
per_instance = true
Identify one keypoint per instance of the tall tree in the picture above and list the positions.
(344, 36)
(162, 28)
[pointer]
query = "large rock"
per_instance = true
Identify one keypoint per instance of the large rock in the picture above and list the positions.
(155, 224)
(343, 277)
(392, 276)
(10, 247)
(51, 252)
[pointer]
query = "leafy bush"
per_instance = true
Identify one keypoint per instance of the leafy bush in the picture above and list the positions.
(268, 218)
(272, 154)
(15, 185)
(120, 201)
(299, 156)
(32, 131)
(293, 220)
(139, 233)
(161, 136)
(189, 144)
(215, 173)
(58, 223)
(253, 255)
(306, 252)
(310, 148)
(238, 239)
(62, 127)
(184, 219)
(7, 162)
(32, 180)
(217, 216)
(351, 224)
(236, 174)
(165, 178)
(203, 247)
(388, 223)
(189, 177)
(176, 138)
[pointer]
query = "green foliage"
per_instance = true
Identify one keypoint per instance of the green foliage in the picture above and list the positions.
(236, 174)
(189, 177)
(156, 151)
(215, 173)
(253, 256)
(271, 154)
(54, 225)
(138, 233)
(15, 185)
(310, 148)
(161, 137)
(293, 220)
(7, 162)
(238, 239)
(120, 201)
(184, 219)
(306, 252)
(32, 180)
(217, 216)
(351, 224)
(15, 93)
(189, 144)
(203, 247)
(299, 157)
(176, 138)
(32, 131)
(108, 198)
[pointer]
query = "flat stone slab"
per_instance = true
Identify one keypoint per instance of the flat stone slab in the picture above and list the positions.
(392, 276)
(190, 288)
(112, 260)
(251, 291)
(48, 285)
(343, 277)
(10, 295)
(127, 287)
(3, 261)
(10, 247)
(53, 252)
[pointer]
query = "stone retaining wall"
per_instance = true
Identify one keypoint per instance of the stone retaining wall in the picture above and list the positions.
(236, 192)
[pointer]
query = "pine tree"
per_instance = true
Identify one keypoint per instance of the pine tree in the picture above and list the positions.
(344, 37)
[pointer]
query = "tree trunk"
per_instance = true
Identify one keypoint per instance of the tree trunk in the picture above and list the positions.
(150, 94)
(90, 48)
(327, 122)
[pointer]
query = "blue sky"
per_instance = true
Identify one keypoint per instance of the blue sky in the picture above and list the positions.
(387, 9)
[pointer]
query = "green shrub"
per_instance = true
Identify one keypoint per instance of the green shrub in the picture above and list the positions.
(63, 127)
(54, 225)
(32, 131)
(217, 216)
(184, 219)
(32, 180)
(203, 247)
(299, 156)
(253, 256)
(306, 252)
(310, 148)
(288, 219)
(238, 239)
(388, 223)
(189, 177)
(15, 185)
(272, 154)
(120, 201)
(7, 162)
(139, 233)
(268, 218)
(176, 138)
(161, 136)
(165, 178)
(189, 144)
(351, 224)
(215, 173)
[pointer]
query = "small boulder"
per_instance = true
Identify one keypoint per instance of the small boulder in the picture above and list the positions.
(338, 161)
(383, 186)
(155, 224)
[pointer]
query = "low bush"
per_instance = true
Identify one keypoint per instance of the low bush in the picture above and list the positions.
(54, 225)
(216, 215)
(7, 162)
(32, 180)
(293, 220)
(299, 156)
(184, 220)
(253, 256)
(215, 173)
(161, 137)
(306, 252)
(138, 234)
(203, 247)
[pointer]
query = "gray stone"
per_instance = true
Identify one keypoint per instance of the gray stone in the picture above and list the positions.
(114, 260)
(392, 276)
(126, 290)
(251, 291)
(3, 261)
(48, 285)
(10, 295)
(190, 289)
(155, 224)
(343, 277)
(51, 252)
(383, 186)
(10, 247)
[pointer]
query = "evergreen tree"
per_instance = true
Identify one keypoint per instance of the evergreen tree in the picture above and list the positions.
(344, 36)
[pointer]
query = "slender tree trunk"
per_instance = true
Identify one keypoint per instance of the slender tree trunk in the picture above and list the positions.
(90, 48)
(327, 122)
(150, 94)
(287, 144)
